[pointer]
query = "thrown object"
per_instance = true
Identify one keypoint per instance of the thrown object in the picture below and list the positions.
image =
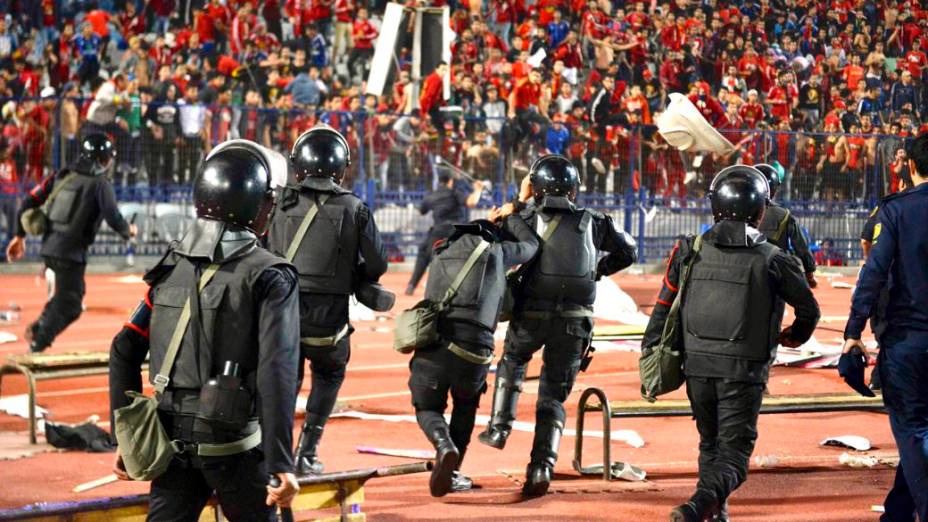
(857, 461)
(684, 128)
(848, 441)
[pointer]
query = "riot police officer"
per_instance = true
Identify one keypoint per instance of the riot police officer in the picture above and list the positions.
(448, 204)
(458, 363)
(780, 227)
(318, 211)
(897, 261)
(553, 309)
(731, 314)
(74, 202)
(235, 307)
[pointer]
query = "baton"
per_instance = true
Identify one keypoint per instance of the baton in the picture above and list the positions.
(130, 247)
(286, 514)
(441, 161)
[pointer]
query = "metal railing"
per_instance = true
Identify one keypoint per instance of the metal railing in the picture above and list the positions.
(655, 193)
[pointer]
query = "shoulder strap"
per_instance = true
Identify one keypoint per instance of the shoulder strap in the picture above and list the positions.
(304, 227)
(59, 186)
(781, 228)
(163, 377)
(684, 277)
(552, 226)
(468, 265)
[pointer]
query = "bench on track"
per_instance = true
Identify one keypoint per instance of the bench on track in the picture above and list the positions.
(341, 489)
(681, 408)
(45, 367)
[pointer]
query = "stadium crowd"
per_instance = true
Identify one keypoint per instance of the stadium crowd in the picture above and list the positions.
(170, 78)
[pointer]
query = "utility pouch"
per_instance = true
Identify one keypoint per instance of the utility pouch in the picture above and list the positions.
(417, 327)
(224, 402)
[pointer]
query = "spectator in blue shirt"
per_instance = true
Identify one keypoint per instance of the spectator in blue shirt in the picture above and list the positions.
(307, 89)
(558, 136)
(557, 30)
(318, 47)
(903, 95)
(88, 45)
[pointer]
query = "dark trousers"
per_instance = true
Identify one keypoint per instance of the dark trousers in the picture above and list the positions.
(425, 252)
(239, 481)
(64, 307)
(726, 417)
(190, 150)
(327, 372)
(564, 341)
(524, 120)
(434, 373)
(903, 370)
(364, 55)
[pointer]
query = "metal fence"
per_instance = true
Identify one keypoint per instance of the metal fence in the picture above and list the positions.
(652, 191)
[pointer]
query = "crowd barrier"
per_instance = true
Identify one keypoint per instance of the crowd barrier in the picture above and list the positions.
(653, 192)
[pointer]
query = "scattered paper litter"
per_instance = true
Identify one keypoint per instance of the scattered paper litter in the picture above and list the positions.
(857, 461)
(129, 279)
(848, 441)
(842, 284)
(625, 471)
(407, 453)
(878, 509)
(630, 437)
(766, 461)
(18, 405)
(7, 337)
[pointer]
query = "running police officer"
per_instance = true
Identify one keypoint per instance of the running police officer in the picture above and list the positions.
(76, 200)
(238, 351)
(554, 309)
(731, 314)
(317, 211)
(479, 252)
(898, 259)
(448, 205)
(780, 227)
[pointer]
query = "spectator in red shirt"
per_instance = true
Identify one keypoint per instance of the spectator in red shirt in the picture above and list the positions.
(363, 34)
(432, 96)
(751, 112)
(162, 10)
(709, 107)
(527, 106)
(671, 72)
(784, 97)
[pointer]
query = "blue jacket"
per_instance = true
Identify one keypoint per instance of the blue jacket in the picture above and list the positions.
(900, 248)
(556, 141)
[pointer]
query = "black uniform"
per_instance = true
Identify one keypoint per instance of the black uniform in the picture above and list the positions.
(729, 349)
(246, 315)
(74, 219)
(460, 361)
(781, 230)
(328, 276)
(554, 310)
(447, 205)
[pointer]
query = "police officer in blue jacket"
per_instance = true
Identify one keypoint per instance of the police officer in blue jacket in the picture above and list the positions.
(899, 259)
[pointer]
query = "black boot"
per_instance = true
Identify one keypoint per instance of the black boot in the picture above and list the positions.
(702, 506)
(307, 462)
(36, 345)
(544, 456)
(459, 481)
(446, 462)
(505, 399)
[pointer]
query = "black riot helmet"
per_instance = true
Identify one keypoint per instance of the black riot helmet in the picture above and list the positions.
(320, 152)
(234, 186)
(739, 193)
(554, 175)
(773, 177)
(96, 154)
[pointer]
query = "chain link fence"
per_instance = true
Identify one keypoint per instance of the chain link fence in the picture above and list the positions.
(651, 190)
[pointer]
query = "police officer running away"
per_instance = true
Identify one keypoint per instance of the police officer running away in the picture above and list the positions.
(554, 309)
(898, 260)
(229, 399)
(73, 203)
(781, 229)
(458, 363)
(329, 234)
(731, 314)
(448, 204)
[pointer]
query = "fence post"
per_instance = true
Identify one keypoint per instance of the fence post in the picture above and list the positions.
(629, 192)
(642, 196)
